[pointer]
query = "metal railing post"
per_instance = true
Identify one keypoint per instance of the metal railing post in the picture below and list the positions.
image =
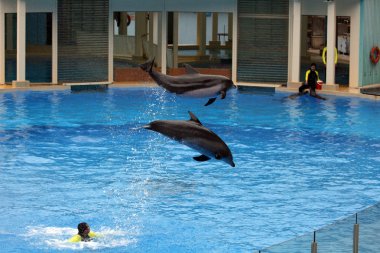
(355, 248)
(314, 246)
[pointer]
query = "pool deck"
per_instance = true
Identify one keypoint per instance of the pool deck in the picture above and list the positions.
(340, 91)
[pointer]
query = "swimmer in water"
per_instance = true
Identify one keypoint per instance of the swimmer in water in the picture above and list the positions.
(84, 233)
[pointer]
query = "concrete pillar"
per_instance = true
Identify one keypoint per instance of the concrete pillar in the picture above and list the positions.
(296, 41)
(9, 29)
(140, 31)
(150, 36)
(175, 40)
(163, 24)
(21, 45)
(234, 42)
(2, 43)
(110, 42)
(54, 45)
(201, 33)
(331, 43)
(214, 26)
(123, 23)
(230, 30)
(354, 45)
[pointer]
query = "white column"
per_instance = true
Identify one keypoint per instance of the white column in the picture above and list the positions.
(2, 43)
(296, 42)
(354, 45)
(331, 42)
(175, 40)
(234, 42)
(21, 44)
(163, 40)
(54, 45)
(110, 42)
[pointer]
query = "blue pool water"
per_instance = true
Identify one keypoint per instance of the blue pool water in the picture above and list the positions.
(67, 158)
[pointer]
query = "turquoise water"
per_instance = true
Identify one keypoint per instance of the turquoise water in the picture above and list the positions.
(67, 158)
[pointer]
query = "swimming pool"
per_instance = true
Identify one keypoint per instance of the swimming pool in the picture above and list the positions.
(67, 158)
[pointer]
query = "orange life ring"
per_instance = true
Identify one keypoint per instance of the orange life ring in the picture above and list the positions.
(128, 19)
(375, 55)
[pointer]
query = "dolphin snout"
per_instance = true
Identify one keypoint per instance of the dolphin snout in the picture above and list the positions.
(148, 126)
(229, 161)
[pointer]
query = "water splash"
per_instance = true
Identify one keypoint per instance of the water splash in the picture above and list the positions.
(57, 238)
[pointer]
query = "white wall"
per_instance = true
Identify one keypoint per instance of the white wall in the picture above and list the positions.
(10, 6)
(319, 7)
(200, 5)
(174, 5)
(133, 5)
(40, 5)
(31, 6)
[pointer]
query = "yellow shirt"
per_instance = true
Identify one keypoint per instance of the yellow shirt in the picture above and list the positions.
(78, 238)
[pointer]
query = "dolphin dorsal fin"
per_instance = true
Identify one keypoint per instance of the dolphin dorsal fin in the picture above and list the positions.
(194, 118)
(190, 70)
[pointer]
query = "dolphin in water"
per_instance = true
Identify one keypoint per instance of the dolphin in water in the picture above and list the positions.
(192, 83)
(194, 135)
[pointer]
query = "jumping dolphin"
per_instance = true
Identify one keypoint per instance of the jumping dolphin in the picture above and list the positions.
(192, 83)
(194, 135)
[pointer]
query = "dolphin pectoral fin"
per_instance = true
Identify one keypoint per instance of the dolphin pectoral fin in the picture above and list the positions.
(201, 158)
(190, 70)
(210, 101)
(223, 94)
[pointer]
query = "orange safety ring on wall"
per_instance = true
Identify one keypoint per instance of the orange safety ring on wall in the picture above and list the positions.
(375, 55)
(128, 20)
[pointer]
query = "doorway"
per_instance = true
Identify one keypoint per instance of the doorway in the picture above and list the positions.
(135, 40)
(313, 47)
(200, 39)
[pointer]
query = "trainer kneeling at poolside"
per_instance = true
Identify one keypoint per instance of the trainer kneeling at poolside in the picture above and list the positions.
(311, 79)
(84, 234)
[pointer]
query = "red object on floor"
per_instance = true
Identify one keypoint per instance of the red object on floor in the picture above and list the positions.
(319, 85)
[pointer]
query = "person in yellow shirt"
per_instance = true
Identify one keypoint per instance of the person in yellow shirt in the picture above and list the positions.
(311, 79)
(84, 233)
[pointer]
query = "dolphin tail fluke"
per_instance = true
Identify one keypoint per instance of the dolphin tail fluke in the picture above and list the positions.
(148, 66)
(201, 158)
(210, 101)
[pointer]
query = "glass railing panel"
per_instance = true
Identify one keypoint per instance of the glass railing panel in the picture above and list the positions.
(299, 244)
(337, 238)
(369, 230)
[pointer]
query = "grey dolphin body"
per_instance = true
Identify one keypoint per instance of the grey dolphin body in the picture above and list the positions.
(191, 84)
(194, 135)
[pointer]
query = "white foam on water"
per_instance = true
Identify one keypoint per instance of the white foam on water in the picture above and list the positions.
(36, 160)
(86, 139)
(57, 238)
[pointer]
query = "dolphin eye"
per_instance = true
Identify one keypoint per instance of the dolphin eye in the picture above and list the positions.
(218, 156)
